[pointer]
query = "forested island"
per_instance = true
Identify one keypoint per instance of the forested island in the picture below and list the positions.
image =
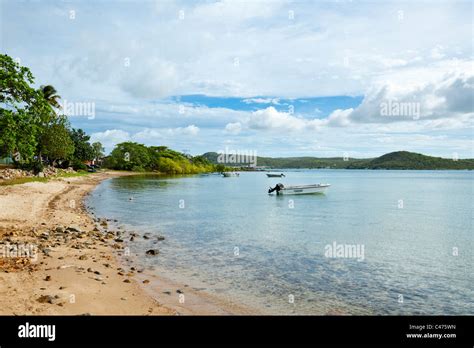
(393, 160)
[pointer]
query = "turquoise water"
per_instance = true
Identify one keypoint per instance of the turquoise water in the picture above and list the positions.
(268, 252)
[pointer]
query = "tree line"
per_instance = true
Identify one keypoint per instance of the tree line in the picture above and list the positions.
(138, 157)
(33, 131)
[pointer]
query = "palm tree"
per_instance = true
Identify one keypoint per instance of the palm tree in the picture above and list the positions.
(51, 96)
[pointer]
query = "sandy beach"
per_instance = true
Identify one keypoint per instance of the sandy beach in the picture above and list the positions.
(76, 263)
(72, 268)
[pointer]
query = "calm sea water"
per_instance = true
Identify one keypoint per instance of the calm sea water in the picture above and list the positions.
(268, 252)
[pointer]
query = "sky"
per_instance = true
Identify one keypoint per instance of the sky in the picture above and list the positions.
(280, 78)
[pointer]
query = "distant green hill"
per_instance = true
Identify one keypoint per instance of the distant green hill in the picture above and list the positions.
(307, 162)
(393, 160)
(411, 160)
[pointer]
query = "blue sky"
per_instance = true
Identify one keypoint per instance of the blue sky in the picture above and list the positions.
(311, 107)
(281, 78)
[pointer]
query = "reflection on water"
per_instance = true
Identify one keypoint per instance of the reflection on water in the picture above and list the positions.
(229, 236)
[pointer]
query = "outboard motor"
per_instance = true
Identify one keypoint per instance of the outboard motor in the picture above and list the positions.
(277, 188)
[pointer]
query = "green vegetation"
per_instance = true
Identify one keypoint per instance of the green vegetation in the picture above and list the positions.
(97, 150)
(394, 160)
(19, 181)
(140, 158)
(23, 180)
(56, 143)
(291, 162)
(410, 160)
(72, 175)
(33, 132)
(82, 148)
(305, 162)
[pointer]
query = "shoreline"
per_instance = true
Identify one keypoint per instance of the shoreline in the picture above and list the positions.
(80, 268)
(76, 270)
(177, 295)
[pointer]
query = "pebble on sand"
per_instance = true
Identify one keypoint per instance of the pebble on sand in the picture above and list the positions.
(152, 252)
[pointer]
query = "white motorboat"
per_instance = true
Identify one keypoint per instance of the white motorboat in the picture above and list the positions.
(281, 189)
(275, 175)
(230, 174)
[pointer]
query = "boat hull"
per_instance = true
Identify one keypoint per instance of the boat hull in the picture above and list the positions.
(230, 175)
(304, 190)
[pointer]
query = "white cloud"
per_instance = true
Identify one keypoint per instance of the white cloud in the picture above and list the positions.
(278, 56)
(393, 62)
(444, 99)
(235, 11)
(446, 95)
(327, 49)
(233, 128)
(110, 137)
(149, 78)
(340, 117)
(147, 136)
(437, 52)
(275, 101)
(270, 118)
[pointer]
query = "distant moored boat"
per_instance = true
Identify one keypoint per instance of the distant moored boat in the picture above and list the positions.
(230, 174)
(275, 175)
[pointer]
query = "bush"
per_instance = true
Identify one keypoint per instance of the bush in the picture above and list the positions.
(35, 166)
(138, 157)
(128, 155)
(78, 165)
(138, 169)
